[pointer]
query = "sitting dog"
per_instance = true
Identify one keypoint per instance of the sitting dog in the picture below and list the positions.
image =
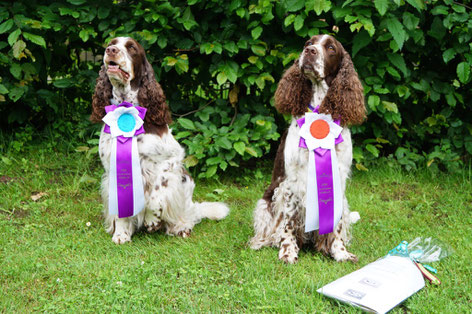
(127, 76)
(322, 77)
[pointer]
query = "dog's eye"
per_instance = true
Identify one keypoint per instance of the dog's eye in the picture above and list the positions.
(309, 43)
(331, 48)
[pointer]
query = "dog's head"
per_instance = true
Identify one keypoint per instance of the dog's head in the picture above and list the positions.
(126, 69)
(323, 60)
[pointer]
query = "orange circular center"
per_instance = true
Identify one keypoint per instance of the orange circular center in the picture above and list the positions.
(319, 129)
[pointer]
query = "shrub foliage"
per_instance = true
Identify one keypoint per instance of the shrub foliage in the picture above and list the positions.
(219, 63)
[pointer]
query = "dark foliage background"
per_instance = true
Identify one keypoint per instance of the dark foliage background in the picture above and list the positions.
(219, 62)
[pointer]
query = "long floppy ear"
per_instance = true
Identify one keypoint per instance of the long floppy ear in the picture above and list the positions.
(151, 96)
(345, 97)
(101, 96)
(294, 92)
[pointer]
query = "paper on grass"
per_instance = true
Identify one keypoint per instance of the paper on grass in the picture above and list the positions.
(378, 286)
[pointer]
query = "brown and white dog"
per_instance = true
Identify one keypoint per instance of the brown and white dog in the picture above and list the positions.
(322, 76)
(126, 75)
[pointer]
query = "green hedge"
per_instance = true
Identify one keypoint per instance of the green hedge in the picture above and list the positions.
(219, 63)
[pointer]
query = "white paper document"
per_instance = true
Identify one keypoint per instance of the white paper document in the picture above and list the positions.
(378, 286)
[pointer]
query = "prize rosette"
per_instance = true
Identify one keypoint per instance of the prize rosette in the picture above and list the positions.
(324, 200)
(124, 122)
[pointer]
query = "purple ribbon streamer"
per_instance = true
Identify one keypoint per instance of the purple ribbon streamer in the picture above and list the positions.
(324, 180)
(124, 178)
(124, 167)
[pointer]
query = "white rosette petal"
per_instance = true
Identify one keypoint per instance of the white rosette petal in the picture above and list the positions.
(111, 119)
(313, 143)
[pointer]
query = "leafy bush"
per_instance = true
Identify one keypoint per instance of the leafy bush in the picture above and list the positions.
(219, 63)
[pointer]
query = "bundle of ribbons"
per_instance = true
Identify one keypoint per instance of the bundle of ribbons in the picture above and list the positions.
(124, 122)
(324, 199)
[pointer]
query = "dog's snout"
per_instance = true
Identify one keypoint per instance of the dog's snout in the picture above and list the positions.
(111, 51)
(311, 50)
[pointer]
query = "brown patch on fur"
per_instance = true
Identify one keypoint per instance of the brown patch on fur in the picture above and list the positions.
(157, 187)
(164, 182)
(294, 92)
(278, 172)
(323, 243)
(150, 94)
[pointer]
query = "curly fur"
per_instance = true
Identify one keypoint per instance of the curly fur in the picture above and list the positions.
(345, 97)
(294, 92)
(322, 76)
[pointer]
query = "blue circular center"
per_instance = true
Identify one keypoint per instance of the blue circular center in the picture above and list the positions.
(126, 122)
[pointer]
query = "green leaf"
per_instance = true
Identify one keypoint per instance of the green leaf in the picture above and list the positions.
(251, 151)
(16, 93)
(256, 32)
(361, 40)
(5, 26)
(240, 147)
(214, 160)
(221, 78)
(449, 54)
(258, 50)
(372, 149)
(186, 123)
(451, 100)
(3, 89)
(223, 142)
(14, 36)
(77, 2)
(390, 106)
(289, 19)
(298, 23)
(321, 5)
(397, 31)
(463, 72)
(437, 30)
(35, 39)
(190, 161)
(417, 4)
(63, 83)
(18, 48)
(410, 21)
(103, 12)
(398, 61)
(211, 171)
(294, 5)
(15, 70)
(373, 102)
(381, 6)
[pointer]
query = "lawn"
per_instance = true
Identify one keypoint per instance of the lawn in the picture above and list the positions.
(56, 257)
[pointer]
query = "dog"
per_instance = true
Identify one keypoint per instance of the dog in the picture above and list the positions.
(127, 76)
(322, 77)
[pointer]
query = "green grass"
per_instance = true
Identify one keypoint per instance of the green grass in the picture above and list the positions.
(51, 260)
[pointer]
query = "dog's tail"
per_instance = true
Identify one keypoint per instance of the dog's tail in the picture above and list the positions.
(212, 210)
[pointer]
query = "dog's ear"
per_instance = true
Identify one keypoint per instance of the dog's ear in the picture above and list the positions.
(101, 97)
(294, 92)
(345, 97)
(151, 96)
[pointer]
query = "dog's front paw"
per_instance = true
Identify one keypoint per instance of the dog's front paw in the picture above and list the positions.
(288, 255)
(153, 226)
(184, 233)
(121, 238)
(344, 255)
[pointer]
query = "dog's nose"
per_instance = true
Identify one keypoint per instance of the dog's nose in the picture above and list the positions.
(311, 50)
(111, 51)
